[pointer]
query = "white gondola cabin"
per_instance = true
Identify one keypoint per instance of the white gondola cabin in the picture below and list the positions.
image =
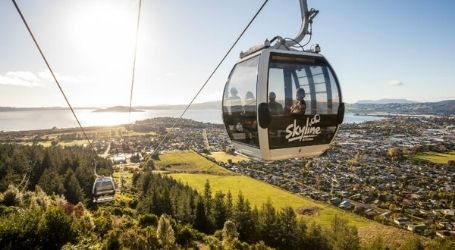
(281, 103)
(103, 189)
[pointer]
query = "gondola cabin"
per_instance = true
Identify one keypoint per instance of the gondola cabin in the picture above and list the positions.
(103, 189)
(280, 104)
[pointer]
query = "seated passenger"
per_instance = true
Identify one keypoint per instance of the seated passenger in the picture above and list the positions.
(275, 107)
(250, 104)
(234, 102)
(299, 106)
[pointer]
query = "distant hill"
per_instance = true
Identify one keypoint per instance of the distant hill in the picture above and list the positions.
(118, 109)
(385, 101)
(203, 105)
(422, 108)
(389, 107)
(13, 109)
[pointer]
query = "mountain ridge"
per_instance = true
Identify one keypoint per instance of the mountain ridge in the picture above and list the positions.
(385, 101)
(446, 107)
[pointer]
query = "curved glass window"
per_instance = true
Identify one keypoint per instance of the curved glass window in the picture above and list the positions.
(239, 103)
(303, 98)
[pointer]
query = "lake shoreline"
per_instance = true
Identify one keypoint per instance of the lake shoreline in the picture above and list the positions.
(49, 120)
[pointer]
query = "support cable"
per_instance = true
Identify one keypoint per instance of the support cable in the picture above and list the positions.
(213, 72)
(54, 77)
(135, 55)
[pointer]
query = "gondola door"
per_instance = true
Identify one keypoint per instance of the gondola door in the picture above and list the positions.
(240, 106)
(303, 98)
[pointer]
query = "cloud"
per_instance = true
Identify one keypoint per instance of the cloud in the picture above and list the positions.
(20, 78)
(30, 79)
(46, 75)
(395, 83)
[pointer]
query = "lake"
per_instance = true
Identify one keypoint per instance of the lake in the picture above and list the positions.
(46, 119)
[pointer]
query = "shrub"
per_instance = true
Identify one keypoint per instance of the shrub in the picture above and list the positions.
(148, 220)
(19, 230)
(185, 235)
(55, 229)
(165, 232)
(103, 222)
(113, 242)
(9, 198)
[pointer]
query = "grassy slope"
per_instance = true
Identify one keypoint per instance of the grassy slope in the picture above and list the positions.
(441, 158)
(257, 192)
(189, 162)
(224, 157)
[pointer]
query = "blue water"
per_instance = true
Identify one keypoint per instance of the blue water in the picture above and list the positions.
(46, 119)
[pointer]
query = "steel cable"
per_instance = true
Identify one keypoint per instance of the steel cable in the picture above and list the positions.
(213, 72)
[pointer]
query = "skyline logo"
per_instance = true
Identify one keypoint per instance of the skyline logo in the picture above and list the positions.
(304, 133)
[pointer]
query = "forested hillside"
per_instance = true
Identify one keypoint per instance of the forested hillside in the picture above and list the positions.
(153, 211)
(68, 171)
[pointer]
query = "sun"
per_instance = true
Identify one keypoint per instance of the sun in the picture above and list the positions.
(104, 31)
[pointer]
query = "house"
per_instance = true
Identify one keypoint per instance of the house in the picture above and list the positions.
(417, 228)
(386, 215)
(445, 225)
(335, 201)
(345, 204)
(370, 213)
(120, 158)
(445, 234)
(401, 221)
(449, 212)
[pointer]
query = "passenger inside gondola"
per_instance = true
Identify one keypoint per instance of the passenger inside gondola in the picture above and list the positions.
(275, 107)
(299, 107)
(250, 104)
(235, 103)
(249, 123)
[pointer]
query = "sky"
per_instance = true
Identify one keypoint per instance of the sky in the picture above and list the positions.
(379, 49)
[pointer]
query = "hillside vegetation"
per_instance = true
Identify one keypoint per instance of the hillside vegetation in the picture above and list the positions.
(155, 211)
(440, 158)
(258, 192)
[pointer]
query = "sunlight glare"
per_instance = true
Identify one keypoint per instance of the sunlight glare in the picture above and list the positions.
(104, 32)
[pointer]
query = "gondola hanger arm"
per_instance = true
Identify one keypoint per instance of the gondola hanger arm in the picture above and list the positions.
(307, 17)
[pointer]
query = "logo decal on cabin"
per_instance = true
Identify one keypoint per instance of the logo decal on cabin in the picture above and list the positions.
(295, 132)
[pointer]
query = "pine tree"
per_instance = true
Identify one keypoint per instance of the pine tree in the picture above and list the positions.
(229, 205)
(73, 191)
(219, 210)
(315, 238)
(207, 198)
(51, 182)
(288, 233)
(243, 219)
(201, 221)
(165, 232)
(229, 233)
(342, 236)
(268, 224)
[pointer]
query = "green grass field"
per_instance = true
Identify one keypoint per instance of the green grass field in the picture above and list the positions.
(41, 143)
(127, 176)
(189, 162)
(258, 192)
(123, 196)
(60, 143)
(193, 169)
(73, 143)
(224, 157)
(440, 158)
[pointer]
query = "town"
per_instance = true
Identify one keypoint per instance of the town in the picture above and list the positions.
(372, 169)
